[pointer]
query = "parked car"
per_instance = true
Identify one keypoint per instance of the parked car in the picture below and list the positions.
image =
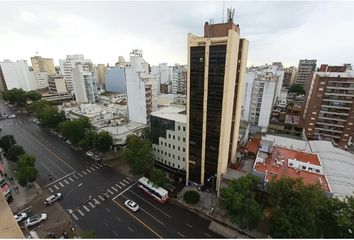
(52, 198)
(20, 217)
(89, 153)
(68, 141)
(12, 116)
(35, 219)
(132, 205)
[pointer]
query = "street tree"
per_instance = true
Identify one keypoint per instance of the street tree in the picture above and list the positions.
(102, 141)
(15, 96)
(14, 152)
(33, 95)
(238, 200)
(50, 116)
(36, 106)
(297, 88)
(138, 153)
(297, 209)
(158, 177)
(26, 160)
(146, 133)
(26, 171)
(75, 129)
(87, 142)
(6, 142)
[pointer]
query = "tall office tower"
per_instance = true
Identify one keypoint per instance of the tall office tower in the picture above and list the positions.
(17, 75)
(289, 76)
(178, 79)
(84, 85)
(217, 66)
(40, 64)
(329, 105)
(101, 68)
(67, 66)
(305, 72)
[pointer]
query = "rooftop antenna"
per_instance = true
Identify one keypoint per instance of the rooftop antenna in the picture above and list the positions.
(230, 14)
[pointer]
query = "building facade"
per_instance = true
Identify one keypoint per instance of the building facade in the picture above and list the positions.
(56, 84)
(40, 64)
(178, 79)
(217, 65)
(40, 79)
(168, 133)
(329, 106)
(289, 76)
(17, 75)
(84, 85)
(305, 72)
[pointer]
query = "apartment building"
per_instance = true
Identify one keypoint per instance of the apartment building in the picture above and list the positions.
(305, 72)
(179, 79)
(56, 84)
(329, 106)
(40, 79)
(85, 87)
(40, 64)
(217, 66)
(17, 75)
(289, 76)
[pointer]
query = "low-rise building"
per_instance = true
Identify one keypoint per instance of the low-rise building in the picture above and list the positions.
(168, 133)
(57, 84)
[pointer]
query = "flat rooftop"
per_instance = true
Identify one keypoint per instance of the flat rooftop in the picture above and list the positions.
(273, 169)
(171, 113)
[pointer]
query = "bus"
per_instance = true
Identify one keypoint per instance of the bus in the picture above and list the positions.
(158, 193)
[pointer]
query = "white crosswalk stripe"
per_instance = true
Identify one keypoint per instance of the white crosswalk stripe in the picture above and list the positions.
(118, 186)
(84, 172)
(50, 190)
(76, 177)
(100, 164)
(101, 197)
(86, 208)
(80, 174)
(71, 179)
(114, 189)
(130, 179)
(74, 216)
(96, 201)
(81, 213)
(61, 184)
(66, 181)
(90, 203)
(126, 181)
(88, 170)
(92, 169)
(110, 191)
(122, 184)
(56, 187)
(95, 166)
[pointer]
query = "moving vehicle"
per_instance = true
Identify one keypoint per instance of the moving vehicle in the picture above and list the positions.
(132, 205)
(53, 198)
(20, 217)
(157, 193)
(35, 219)
(12, 116)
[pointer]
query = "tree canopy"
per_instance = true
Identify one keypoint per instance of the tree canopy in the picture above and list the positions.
(15, 96)
(33, 95)
(102, 141)
(26, 170)
(14, 152)
(75, 129)
(158, 177)
(6, 142)
(49, 116)
(138, 153)
(297, 88)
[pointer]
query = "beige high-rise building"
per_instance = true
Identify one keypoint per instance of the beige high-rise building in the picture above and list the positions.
(216, 72)
(40, 64)
(101, 68)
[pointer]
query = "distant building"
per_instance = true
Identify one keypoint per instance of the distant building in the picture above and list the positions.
(289, 76)
(329, 105)
(40, 64)
(84, 85)
(179, 79)
(164, 88)
(115, 80)
(40, 79)
(17, 75)
(168, 133)
(56, 84)
(100, 74)
(305, 72)
(217, 65)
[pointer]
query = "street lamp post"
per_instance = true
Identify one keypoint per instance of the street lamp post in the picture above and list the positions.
(212, 191)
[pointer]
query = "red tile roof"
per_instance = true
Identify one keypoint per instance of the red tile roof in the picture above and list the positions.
(253, 144)
(284, 170)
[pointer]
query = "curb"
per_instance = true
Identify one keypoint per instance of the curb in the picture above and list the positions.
(174, 201)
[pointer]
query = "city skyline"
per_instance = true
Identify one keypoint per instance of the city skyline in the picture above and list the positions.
(278, 31)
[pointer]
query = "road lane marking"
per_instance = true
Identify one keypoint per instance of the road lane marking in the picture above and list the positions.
(118, 219)
(122, 184)
(92, 169)
(189, 225)
(93, 206)
(100, 164)
(130, 229)
(50, 190)
(61, 184)
(126, 181)
(105, 224)
(81, 213)
(110, 191)
(96, 201)
(130, 179)
(108, 210)
(88, 170)
(56, 187)
(125, 190)
(58, 179)
(80, 174)
(71, 179)
(101, 197)
(76, 177)
(167, 215)
(207, 235)
(86, 208)
(74, 216)
(66, 181)
(51, 152)
(84, 172)
(114, 189)
(158, 235)
(48, 170)
(115, 233)
(118, 186)
(97, 167)
(180, 234)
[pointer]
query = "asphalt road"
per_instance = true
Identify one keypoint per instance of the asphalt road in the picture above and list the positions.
(82, 182)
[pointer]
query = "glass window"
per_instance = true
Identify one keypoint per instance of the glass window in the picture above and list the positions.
(169, 145)
(169, 135)
(184, 129)
(184, 149)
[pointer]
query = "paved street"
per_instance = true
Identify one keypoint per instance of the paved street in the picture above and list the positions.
(78, 178)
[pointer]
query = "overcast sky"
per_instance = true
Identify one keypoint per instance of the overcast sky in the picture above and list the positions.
(102, 31)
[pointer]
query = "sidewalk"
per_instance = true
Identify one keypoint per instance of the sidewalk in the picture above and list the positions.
(220, 222)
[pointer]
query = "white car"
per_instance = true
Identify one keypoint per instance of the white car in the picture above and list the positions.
(132, 205)
(35, 219)
(12, 116)
(89, 154)
(20, 217)
(53, 198)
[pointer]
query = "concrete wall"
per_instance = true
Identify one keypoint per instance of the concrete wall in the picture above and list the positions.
(250, 76)
(267, 103)
(115, 80)
(79, 85)
(17, 75)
